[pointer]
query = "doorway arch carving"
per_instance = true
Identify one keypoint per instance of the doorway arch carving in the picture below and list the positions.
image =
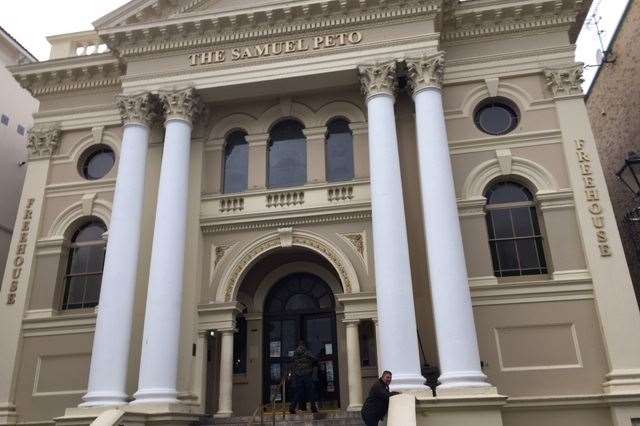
(233, 276)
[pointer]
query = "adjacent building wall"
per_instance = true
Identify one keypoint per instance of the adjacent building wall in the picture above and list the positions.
(614, 109)
(17, 105)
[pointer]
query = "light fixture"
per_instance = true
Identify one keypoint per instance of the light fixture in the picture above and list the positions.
(630, 172)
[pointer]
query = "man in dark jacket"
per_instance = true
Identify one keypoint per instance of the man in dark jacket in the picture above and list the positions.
(303, 363)
(377, 403)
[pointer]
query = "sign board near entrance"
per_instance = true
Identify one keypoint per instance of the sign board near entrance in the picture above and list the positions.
(277, 48)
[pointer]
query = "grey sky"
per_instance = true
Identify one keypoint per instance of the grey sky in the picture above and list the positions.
(30, 21)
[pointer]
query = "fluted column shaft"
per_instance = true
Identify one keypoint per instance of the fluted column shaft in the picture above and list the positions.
(453, 313)
(110, 355)
(161, 340)
(394, 293)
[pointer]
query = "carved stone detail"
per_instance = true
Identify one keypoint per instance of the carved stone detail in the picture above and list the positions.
(217, 253)
(142, 108)
(276, 242)
(182, 104)
(378, 78)
(565, 81)
(44, 141)
(426, 71)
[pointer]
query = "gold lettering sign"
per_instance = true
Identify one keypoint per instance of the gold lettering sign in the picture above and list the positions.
(593, 198)
(18, 260)
(277, 48)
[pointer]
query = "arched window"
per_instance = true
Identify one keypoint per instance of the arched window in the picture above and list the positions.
(514, 231)
(287, 155)
(339, 151)
(236, 163)
(84, 267)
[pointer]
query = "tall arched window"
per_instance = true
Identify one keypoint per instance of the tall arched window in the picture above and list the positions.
(236, 163)
(84, 266)
(339, 151)
(287, 155)
(514, 231)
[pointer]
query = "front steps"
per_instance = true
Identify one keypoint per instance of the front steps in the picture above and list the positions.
(327, 418)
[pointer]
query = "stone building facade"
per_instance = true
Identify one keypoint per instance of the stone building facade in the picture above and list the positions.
(614, 103)
(405, 185)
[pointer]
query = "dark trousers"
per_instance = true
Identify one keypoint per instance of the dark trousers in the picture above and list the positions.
(370, 420)
(303, 391)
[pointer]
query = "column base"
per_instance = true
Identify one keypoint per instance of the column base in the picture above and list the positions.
(155, 396)
(463, 380)
(356, 407)
(477, 406)
(223, 415)
(8, 414)
(622, 382)
(148, 414)
(407, 382)
(104, 399)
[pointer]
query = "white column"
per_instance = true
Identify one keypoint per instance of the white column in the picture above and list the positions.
(354, 368)
(161, 339)
(453, 314)
(110, 356)
(394, 292)
(225, 396)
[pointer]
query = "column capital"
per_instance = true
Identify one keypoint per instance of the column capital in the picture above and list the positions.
(565, 80)
(183, 104)
(351, 321)
(315, 132)
(138, 109)
(257, 139)
(44, 141)
(378, 78)
(426, 71)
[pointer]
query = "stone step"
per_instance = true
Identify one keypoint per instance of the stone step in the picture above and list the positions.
(332, 418)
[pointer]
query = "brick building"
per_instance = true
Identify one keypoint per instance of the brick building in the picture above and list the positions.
(614, 108)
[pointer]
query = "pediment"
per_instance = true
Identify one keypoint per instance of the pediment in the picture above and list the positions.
(141, 12)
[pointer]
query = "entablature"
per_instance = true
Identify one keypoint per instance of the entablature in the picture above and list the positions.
(478, 18)
(69, 74)
(200, 28)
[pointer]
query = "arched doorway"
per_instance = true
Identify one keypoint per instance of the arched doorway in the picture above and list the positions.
(301, 307)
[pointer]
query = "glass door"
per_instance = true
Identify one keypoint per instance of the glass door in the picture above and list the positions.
(319, 334)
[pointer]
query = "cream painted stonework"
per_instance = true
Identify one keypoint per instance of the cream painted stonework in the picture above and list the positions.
(166, 84)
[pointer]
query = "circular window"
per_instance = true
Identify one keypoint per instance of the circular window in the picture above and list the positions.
(96, 162)
(496, 116)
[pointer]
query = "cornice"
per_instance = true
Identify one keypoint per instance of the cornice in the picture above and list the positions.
(358, 215)
(69, 74)
(476, 19)
(203, 29)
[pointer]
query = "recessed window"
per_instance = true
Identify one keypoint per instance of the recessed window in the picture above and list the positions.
(514, 232)
(96, 162)
(287, 155)
(84, 266)
(497, 116)
(20, 130)
(236, 163)
(339, 151)
(4, 120)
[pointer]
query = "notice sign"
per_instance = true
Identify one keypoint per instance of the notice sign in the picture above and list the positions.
(277, 48)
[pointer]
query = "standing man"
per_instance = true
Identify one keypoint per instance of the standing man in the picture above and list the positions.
(303, 362)
(377, 403)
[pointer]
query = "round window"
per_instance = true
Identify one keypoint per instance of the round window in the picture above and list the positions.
(96, 162)
(497, 116)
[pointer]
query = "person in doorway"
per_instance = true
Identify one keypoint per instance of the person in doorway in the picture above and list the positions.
(377, 403)
(303, 363)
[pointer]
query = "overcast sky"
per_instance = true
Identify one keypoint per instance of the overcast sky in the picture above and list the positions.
(30, 21)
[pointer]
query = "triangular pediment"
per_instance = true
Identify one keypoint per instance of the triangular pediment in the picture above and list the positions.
(140, 12)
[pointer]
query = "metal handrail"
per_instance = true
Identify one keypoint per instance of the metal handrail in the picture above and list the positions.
(260, 408)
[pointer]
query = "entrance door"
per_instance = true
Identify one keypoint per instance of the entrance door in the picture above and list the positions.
(301, 307)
